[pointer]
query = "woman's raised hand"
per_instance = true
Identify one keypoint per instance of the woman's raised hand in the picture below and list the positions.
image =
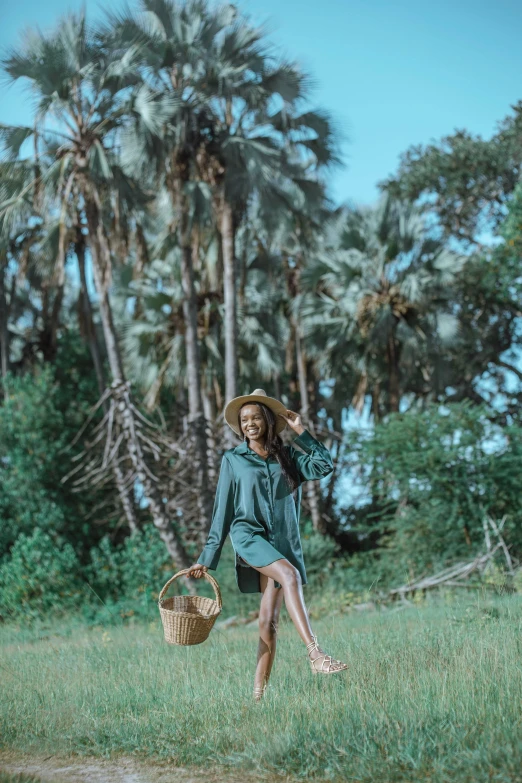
(197, 571)
(294, 421)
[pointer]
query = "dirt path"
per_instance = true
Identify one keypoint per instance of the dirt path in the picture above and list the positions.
(55, 769)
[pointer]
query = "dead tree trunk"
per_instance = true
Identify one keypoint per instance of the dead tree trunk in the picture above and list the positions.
(196, 416)
(393, 374)
(4, 323)
(210, 417)
(101, 261)
(312, 488)
(124, 493)
(229, 290)
(151, 491)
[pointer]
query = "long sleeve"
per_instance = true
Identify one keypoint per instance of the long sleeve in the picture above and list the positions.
(316, 462)
(222, 516)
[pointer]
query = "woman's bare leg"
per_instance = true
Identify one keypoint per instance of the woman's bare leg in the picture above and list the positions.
(269, 611)
(288, 576)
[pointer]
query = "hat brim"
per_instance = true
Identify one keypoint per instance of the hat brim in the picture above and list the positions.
(232, 409)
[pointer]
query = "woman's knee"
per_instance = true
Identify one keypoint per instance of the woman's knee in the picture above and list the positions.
(268, 625)
(290, 576)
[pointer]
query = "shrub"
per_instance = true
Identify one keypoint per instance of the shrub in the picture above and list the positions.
(319, 552)
(431, 476)
(128, 578)
(41, 415)
(38, 576)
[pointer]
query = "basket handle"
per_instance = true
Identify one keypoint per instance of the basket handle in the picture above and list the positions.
(207, 577)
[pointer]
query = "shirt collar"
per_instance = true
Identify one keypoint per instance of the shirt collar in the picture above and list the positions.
(242, 448)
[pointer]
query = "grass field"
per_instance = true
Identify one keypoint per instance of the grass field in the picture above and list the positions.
(433, 693)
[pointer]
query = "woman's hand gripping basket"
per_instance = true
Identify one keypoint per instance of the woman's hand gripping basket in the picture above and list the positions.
(188, 619)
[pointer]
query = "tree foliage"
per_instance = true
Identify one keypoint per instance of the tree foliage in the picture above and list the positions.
(466, 180)
(164, 223)
(431, 477)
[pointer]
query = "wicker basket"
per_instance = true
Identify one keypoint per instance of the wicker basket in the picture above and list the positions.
(188, 619)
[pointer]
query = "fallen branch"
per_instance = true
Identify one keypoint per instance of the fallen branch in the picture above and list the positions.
(453, 576)
(497, 529)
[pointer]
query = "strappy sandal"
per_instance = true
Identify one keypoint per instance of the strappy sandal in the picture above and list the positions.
(332, 665)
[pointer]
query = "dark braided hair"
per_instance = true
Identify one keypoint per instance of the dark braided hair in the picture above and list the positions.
(275, 447)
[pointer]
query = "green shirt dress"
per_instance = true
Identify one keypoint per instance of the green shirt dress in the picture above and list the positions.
(255, 507)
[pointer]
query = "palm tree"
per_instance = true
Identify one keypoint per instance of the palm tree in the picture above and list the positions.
(383, 283)
(297, 228)
(224, 141)
(81, 106)
(153, 346)
(31, 247)
(4, 318)
(170, 42)
(89, 329)
(260, 153)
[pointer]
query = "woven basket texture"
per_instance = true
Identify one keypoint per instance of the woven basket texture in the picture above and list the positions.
(188, 619)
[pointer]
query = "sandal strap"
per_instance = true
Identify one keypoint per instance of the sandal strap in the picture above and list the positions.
(327, 663)
(312, 645)
(324, 660)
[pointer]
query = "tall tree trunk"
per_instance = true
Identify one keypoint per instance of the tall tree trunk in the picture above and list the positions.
(101, 262)
(312, 487)
(242, 279)
(229, 290)
(92, 341)
(210, 416)
(102, 273)
(55, 319)
(328, 502)
(4, 324)
(79, 248)
(166, 530)
(277, 385)
(393, 374)
(197, 422)
(142, 260)
(127, 501)
(301, 375)
(50, 316)
(376, 402)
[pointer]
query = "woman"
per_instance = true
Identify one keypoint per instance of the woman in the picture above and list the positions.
(258, 501)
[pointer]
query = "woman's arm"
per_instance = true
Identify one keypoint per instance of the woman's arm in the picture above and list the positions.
(222, 516)
(316, 462)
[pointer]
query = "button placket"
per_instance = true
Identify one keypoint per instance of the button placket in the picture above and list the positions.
(270, 503)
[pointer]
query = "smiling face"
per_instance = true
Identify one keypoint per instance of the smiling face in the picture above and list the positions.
(252, 422)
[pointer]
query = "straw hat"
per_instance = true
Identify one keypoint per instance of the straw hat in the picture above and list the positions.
(258, 395)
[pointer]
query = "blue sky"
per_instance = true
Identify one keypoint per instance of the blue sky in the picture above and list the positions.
(392, 74)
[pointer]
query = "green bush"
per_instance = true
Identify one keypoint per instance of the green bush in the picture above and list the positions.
(319, 552)
(39, 577)
(39, 419)
(432, 475)
(127, 578)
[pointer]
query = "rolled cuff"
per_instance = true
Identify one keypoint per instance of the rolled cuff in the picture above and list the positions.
(209, 558)
(316, 462)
